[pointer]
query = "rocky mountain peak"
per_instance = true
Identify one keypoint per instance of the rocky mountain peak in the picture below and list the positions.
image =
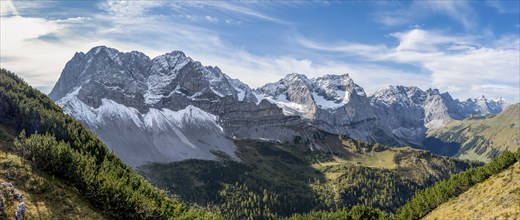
(295, 76)
(480, 106)
(103, 49)
(401, 95)
(136, 80)
(431, 91)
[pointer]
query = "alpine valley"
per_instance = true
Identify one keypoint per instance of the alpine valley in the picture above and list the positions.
(297, 148)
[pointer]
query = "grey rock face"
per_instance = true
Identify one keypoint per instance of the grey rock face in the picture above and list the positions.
(333, 103)
(409, 112)
(483, 106)
(163, 109)
(20, 212)
(104, 72)
(7, 194)
(173, 108)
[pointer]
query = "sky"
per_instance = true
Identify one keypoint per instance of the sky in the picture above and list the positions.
(468, 48)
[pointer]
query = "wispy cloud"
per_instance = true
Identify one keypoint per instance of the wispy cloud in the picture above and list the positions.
(457, 10)
(505, 6)
(231, 8)
(456, 64)
(38, 48)
(415, 11)
(129, 9)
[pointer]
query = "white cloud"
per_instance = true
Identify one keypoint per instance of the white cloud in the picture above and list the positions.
(38, 48)
(129, 9)
(228, 9)
(504, 6)
(427, 41)
(7, 8)
(459, 11)
(456, 64)
(39, 61)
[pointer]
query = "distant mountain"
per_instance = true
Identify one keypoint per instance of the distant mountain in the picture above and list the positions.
(482, 106)
(409, 111)
(396, 115)
(480, 138)
(333, 103)
(172, 108)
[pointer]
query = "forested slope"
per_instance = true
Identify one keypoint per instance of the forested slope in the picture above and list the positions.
(275, 180)
(487, 192)
(42, 195)
(61, 147)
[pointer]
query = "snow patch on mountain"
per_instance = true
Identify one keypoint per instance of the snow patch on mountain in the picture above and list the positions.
(289, 108)
(323, 103)
(189, 133)
(326, 92)
(190, 116)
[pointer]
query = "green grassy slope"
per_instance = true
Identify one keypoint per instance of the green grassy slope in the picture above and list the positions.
(45, 197)
(427, 200)
(279, 179)
(69, 152)
(496, 198)
(486, 192)
(482, 138)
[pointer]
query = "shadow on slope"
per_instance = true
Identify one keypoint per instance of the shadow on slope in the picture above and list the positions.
(440, 147)
(273, 183)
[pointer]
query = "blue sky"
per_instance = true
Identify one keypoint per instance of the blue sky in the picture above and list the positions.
(469, 48)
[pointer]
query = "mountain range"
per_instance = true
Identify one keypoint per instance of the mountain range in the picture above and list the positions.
(171, 107)
(280, 150)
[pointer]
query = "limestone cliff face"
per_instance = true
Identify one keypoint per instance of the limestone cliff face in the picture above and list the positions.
(173, 108)
(333, 103)
(164, 109)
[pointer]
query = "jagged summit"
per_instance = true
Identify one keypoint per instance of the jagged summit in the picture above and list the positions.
(118, 94)
(140, 82)
(162, 109)
(295, 91)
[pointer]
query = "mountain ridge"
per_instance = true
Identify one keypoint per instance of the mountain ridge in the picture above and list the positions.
(174, 81)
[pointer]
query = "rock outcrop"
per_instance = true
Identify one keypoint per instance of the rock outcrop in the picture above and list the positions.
(9, 196)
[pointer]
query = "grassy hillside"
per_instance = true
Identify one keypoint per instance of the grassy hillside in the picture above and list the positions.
(60, 147)
(45, 197)
(496, 198)
(279, 179)
(479, 138)
(426, 200)
(486, 192)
